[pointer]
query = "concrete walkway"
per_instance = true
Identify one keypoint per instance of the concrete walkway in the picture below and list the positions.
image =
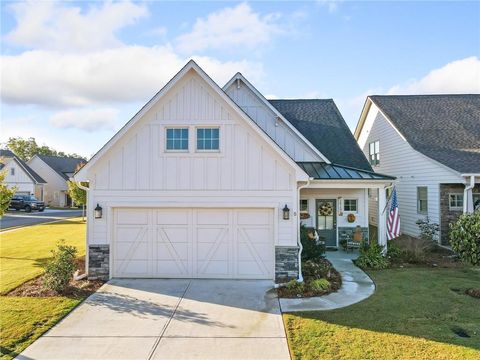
(356, 286)
(170, 319)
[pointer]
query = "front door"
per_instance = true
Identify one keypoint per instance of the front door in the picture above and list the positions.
(327, 221)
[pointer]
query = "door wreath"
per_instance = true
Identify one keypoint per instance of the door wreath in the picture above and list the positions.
(326, 209)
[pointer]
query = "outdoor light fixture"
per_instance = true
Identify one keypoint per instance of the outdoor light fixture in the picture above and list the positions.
(286, 212)
(98, 212)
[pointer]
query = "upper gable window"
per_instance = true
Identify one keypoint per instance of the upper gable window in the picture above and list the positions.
(12, 171)
(374, 152)
(177, 139)
(208, 139)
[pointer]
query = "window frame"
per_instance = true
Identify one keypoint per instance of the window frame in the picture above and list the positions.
(212, 127)
(374, 156)
(455, 208)
(177, 128)
(350, 211)
(300, 205)
(12, 171)
(419, 210)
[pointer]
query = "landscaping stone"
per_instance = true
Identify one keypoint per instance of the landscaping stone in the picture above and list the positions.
(286, 263)
(98, 262)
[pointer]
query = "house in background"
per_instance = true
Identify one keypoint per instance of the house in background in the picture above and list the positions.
(56, 170)
(431, 143)
(20, 175)
(205, 182)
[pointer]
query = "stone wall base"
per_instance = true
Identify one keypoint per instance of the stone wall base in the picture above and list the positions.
(286, 263)
(98, 262)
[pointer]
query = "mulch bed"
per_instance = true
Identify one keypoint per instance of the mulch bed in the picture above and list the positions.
(333, 277)
(77, 289)
(473, 292)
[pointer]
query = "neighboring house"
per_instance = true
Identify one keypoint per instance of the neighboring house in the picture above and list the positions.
(206, 182)
(431, 143)
(56, 170)
(21, 176)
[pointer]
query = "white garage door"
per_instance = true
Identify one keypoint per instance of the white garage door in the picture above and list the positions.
(193, 243)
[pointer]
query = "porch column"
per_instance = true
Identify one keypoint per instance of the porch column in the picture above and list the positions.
(468, 196)
(382, 217)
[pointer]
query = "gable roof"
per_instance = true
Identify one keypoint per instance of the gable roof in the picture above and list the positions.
(324, 171)
(322, 124)
(446, 128)
(28, 170)
(191, 65)
(62, 165)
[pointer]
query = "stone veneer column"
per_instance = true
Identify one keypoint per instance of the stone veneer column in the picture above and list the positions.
(98, 262)
(286, 263)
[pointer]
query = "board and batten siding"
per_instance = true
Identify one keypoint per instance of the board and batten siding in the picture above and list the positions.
(247, 171)
(20, 179)
(266, 119)
(412, 169)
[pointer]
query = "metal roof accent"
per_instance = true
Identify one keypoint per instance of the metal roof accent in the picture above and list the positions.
(324, 171)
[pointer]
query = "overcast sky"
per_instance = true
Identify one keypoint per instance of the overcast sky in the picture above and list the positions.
(74, 73)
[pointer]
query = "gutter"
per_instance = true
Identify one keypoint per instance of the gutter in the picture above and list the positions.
(299, 242)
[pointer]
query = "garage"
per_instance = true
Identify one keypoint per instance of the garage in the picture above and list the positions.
(193, 243)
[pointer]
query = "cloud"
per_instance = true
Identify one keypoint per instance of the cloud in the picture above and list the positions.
(457, 77)
(123, 74)
(230, 27)
(86, 119)
(331, 5)
(54, 26)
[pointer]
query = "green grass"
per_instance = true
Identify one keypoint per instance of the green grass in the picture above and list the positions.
(24, 319)
(24, 250)
(410, 316)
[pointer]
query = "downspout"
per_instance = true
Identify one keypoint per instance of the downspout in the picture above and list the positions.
(299, 241)
(78, 276)
(466, 198)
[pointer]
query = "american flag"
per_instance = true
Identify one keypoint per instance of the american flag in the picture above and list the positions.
(393, 221)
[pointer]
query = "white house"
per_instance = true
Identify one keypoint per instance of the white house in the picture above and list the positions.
(431, 143)
(206, 182)
(20, 175)
(56, 170)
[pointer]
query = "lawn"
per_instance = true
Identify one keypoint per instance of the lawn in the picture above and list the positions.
(410, 316)
(24, 319)
(24, 250)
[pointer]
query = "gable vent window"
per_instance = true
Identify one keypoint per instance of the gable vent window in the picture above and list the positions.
(12, 171)
(374, 152)
(208, 139)
(422, 200)
(177, 139)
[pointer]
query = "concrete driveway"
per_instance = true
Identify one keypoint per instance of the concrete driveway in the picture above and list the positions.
(170, 319)
(21, 218)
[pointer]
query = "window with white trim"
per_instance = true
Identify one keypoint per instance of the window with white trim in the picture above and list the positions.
(304, 205)
(374, 152)
(455, 201)
(476, 201)
(208, 139)
(176, 139)
(422, 200)
(350, 205)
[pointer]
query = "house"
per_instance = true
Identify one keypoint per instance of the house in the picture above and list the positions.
(209, 182)
(56, 170)
(431, 143)
(20, 175)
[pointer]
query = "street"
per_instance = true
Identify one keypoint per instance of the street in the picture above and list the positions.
(21, 218)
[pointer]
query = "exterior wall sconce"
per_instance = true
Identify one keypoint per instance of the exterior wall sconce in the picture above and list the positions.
(98, 212)
(286, 213)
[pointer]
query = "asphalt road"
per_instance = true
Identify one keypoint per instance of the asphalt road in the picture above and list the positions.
(21, 218)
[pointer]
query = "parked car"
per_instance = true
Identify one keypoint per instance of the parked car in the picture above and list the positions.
(27, 203)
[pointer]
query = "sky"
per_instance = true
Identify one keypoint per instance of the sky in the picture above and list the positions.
(73, 73)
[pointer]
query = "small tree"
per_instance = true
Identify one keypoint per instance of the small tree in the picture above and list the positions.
(60, 268)
(6, 193)
(78, 195)
(465, 237)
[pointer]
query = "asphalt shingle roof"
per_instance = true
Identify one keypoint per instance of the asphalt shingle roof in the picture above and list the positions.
(322, 124)
(324, 171)
(445, 128)
(5, 153)
(62, 165)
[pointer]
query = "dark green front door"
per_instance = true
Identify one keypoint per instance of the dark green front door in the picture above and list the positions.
(327, 221)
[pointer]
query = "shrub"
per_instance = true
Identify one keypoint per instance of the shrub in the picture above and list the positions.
(465, 237)
(316, 269)
(319, 284)
(394, 252)
(428, 231)
(294, 285)
(311, 249)
(371, 257)
(59, 270)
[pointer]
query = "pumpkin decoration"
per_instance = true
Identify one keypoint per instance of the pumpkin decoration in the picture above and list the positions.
(350, 218)
(326, 209)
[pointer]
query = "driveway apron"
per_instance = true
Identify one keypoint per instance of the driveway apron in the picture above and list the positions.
(170, 319)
